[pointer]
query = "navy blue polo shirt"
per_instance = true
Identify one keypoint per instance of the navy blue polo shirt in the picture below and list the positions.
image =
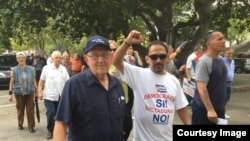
(214, 72)
(92, 112)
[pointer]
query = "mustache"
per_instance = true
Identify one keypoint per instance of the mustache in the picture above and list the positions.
(157, 64)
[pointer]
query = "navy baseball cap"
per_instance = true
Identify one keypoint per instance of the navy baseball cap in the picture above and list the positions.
(96, 40)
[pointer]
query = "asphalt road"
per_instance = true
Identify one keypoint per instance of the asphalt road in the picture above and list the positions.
(238, 108)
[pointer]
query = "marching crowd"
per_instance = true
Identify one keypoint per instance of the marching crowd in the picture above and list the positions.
(91, 97)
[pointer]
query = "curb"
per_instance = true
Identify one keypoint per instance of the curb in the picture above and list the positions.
(241, 88)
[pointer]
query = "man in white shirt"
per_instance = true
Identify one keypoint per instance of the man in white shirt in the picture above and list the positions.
(50, 87)
(157, 93)
(190, 67)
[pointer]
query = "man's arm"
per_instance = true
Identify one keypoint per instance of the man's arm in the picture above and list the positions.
(202, 88)
(138, 58)
(183, 114)
(134, 37)
(60, 131)
(118, 56)
(40, 89)
(174, 54)
(35, 83)
(188, 74)
(188, 68)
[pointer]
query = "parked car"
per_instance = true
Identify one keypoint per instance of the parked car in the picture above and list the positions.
(6, 62)
(242, 65)
(239, 64)
(247, 65)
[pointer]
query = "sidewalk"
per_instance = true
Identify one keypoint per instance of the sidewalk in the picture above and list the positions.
(241, 88)
(241, 82)
(8, 125)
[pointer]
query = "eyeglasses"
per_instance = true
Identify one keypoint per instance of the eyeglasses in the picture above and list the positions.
(95, 56)
(155, 56)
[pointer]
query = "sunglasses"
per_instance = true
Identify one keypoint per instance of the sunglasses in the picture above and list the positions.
(208, 34)
(155, 56)
(211, 31)
(113, 49)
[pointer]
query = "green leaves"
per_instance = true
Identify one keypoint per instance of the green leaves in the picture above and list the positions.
(180, 20)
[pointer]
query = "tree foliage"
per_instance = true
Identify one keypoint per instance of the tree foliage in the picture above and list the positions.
(172, 21)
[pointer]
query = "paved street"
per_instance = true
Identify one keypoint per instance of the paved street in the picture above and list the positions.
(238, 109)
(8, 122)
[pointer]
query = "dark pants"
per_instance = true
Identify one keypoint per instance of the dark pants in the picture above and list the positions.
(38, 74)
(229, 91)
(130, 99)
(51, 107)
(199, 115)
(189, 98)
(22, 102)
(129, 123)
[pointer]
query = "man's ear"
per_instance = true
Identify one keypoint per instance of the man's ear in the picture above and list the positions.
(146, 59)
(85, 59)
(207, 44)
(112, 55)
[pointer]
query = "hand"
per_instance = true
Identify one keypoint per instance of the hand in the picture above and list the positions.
(134, 37)
(40, 95)
(182, 68)
(212, 116)
(136, 53)
(131, 59)
(10, 98)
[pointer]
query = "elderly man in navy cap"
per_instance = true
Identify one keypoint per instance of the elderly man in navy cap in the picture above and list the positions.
(92, 105)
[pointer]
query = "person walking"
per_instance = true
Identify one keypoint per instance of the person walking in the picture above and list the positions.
(76, 64)
(23, 85)
(92, 106)
(38, 64)
(190, 68)
(113, 46)
(211, 80)
(66, 62)
(229, 62)
(157, 93)
(171, 66)
(50, 87)
(135, 55)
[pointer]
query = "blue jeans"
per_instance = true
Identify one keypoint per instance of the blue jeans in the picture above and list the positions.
(229, 91)
(51, 107)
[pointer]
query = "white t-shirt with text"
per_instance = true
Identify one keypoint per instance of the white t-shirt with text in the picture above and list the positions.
(156, 97)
